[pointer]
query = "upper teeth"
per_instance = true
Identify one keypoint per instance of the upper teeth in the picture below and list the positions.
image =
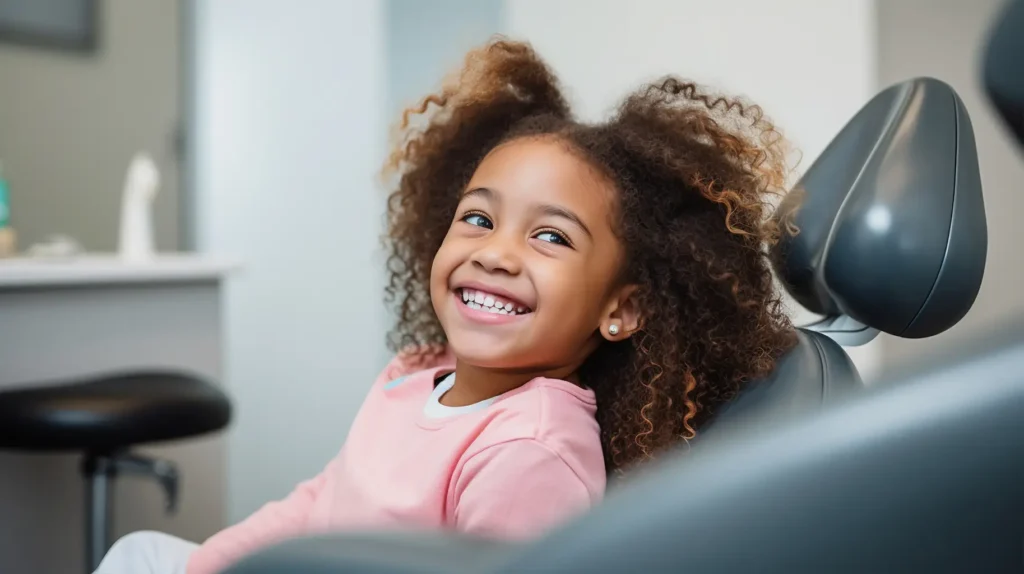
(490, 303)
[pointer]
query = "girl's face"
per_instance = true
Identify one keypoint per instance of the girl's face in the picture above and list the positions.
(527, 276)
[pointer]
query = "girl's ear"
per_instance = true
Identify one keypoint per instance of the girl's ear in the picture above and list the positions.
(622, 315)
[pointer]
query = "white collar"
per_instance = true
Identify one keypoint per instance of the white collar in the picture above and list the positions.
(435, 410)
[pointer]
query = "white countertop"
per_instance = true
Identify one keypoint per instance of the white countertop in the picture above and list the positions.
(109, 269)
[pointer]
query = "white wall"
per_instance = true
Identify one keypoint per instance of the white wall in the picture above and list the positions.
(288, 135)
(810, 64)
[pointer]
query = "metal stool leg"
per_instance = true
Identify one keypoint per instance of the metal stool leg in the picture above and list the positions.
(99, 508)
(100, 470)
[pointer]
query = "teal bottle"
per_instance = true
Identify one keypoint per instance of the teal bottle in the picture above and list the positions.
(5, 201)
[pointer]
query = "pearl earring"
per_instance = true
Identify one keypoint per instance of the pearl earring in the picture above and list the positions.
(613, 329)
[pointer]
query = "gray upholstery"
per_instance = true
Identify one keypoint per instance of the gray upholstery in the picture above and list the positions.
(892, 234)
(816, 372)
(892, 222)
(916, 475)
(922, 474)
(1004, 84)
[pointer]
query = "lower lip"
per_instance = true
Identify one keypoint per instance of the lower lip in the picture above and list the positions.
(481, 316)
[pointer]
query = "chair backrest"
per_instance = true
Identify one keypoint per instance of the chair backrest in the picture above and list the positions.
(892, 237)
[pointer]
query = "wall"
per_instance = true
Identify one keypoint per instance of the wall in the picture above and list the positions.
(943, 39)
(428, 40)
(809, 64)
(69, 124)
(288, 135)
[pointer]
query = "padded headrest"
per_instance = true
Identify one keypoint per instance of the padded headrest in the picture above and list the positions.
(891, 221)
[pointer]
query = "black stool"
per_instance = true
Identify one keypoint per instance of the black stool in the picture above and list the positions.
(105, 416)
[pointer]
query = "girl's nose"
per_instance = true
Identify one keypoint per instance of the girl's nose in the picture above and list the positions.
(498, 256)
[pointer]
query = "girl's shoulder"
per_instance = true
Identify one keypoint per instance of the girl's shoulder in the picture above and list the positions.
(413, 361)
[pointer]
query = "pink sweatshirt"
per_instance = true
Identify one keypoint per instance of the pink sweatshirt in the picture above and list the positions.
(528, 461)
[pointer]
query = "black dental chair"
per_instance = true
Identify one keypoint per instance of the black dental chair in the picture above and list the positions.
(791, 476)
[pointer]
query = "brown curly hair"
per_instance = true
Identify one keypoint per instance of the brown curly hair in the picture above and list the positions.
(696, 175)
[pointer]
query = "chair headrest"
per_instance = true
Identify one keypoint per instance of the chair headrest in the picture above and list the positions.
(892, 229)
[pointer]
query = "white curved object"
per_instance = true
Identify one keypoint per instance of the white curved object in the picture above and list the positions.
(140, 188)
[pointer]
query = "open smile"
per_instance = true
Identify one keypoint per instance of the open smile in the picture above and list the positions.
(491, 303)
(485, 307)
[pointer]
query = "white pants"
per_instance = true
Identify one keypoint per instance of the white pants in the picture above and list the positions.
(147, 553)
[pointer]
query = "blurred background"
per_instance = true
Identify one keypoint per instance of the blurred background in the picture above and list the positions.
(269, 120)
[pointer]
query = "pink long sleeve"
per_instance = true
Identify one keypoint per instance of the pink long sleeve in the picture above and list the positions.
(279, 520)
(273, 522)
(526, 462)
(517, 490)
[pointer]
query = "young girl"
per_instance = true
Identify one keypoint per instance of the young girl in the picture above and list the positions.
(571, 298)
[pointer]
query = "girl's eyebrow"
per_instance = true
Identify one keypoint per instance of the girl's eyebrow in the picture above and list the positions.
(484, 192)
(555, 211)
(545, 209)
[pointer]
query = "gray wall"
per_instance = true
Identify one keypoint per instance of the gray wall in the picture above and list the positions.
(69, 124)
(428, 40)
(943, 39)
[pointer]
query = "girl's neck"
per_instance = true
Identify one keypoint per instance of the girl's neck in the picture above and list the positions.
(474, 384)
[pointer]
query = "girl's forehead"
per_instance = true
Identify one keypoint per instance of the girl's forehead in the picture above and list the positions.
(542, 168)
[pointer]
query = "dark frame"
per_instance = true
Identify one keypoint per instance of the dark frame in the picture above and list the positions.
(85, 42)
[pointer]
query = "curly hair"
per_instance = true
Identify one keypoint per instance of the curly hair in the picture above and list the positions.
(697, 176)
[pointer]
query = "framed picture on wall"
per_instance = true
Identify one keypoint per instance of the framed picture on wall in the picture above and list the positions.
(57, 24)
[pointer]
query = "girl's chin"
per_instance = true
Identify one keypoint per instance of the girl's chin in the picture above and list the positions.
(480, 358)
(482, 355)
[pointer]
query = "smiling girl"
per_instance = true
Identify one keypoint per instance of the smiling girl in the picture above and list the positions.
(571, 300)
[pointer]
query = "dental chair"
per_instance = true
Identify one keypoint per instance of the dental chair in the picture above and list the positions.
(922, 474)
(807, 471)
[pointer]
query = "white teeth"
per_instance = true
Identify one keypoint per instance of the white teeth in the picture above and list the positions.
(480, 300)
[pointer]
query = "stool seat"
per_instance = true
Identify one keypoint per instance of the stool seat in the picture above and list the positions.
(108, 413)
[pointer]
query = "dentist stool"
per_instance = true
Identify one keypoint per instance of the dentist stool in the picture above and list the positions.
(103, 417)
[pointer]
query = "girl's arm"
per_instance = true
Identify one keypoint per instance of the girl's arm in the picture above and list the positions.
(275, 521)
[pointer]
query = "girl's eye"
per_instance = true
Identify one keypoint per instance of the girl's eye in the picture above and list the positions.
(553, 237)
(478, 220)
